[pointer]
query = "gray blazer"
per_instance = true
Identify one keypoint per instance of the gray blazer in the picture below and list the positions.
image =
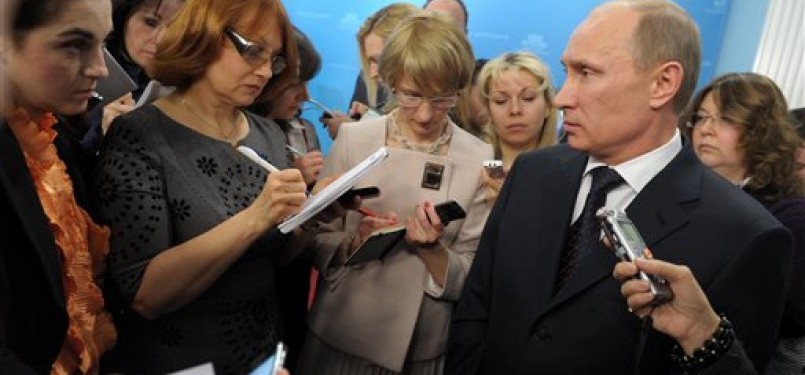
(379, 309)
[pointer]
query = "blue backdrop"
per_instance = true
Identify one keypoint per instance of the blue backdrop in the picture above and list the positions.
(540, 26)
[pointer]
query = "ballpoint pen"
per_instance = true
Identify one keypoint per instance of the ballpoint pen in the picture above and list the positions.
(321, 106)
(253, 156)
(294, 151)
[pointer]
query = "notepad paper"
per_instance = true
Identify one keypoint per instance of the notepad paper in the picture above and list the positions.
(331, 192)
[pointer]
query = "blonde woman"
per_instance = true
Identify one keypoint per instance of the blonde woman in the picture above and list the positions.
(391, 316)
(517, 91)
(371, 37)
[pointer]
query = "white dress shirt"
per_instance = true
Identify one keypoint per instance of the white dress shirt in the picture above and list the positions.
(636, 172)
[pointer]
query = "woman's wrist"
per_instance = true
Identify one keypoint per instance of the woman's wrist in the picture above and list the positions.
(709, 352)
(255, 224)
(699, 333)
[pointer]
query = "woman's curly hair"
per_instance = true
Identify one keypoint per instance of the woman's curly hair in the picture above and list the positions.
(768, 139)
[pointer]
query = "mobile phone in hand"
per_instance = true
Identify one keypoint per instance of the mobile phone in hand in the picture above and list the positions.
(364, 193)
(449, 211)
(494, 168)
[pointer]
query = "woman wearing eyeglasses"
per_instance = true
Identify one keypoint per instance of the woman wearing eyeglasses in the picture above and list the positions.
(391, 316)
(191, 264)
(740, 128)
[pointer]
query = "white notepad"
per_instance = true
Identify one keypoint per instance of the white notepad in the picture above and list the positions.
(331, 192)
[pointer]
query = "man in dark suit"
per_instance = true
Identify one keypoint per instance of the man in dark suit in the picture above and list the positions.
(540, 296)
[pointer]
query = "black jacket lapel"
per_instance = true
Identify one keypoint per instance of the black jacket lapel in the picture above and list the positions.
(656, 211)
(553, 227)
(16, 181)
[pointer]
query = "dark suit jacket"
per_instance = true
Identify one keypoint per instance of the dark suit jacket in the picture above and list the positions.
(33, 318)
(509, 321)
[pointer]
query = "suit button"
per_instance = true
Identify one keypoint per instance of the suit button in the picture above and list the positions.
(542, 334)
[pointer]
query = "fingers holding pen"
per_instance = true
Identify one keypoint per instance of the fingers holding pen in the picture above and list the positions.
(283, 195)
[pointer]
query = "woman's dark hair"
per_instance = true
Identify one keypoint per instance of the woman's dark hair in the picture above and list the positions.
(768, 141)
(31, 14)
(309, 66)
(798, 116)
(122, 10)
(479, 65)
(309, 58)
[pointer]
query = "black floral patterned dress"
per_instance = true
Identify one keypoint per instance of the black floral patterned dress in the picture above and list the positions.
(160, 184)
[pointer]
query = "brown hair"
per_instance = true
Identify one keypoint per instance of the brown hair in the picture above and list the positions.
(768, 139)
(195, 38)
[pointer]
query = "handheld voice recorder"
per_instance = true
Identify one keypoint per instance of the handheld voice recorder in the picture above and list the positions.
(629, 246)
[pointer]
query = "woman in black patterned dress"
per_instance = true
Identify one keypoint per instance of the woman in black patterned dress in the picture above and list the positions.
(192, 257)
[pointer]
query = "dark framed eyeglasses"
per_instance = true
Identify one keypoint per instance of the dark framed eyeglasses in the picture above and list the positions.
(255, 54)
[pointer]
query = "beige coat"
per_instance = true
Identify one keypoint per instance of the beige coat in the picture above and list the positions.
(378, 310)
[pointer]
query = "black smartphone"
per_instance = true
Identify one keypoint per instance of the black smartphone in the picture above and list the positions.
(449, 211)
(364, 193)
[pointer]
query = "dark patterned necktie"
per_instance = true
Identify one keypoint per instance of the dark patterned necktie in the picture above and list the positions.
(584, 233)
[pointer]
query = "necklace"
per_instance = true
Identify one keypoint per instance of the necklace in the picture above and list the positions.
(229, 137)
(395, 133)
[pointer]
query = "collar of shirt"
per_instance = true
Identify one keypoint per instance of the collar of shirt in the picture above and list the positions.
(636, 172)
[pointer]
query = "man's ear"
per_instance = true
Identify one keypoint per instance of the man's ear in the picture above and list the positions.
(667, 79)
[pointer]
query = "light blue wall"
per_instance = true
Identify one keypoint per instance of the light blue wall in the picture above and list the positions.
(742, 36)
(540, 26)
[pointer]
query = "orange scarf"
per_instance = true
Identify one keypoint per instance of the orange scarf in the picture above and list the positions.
(82, 245)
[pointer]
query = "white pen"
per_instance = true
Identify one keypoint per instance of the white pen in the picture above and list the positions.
(294, 151)
(252, 155)
(321, 106)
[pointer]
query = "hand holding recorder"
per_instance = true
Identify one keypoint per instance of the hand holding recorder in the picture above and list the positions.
(668, 292)
(628, 245)
(688, 317)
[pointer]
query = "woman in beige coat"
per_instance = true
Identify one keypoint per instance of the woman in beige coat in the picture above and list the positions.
(391, 316)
